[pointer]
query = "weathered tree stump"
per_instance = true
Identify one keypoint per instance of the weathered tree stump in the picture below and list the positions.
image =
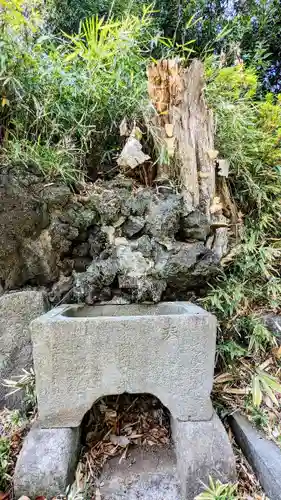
(183, 126)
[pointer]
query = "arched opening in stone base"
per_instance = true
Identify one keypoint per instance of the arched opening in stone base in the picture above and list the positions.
(125, 438)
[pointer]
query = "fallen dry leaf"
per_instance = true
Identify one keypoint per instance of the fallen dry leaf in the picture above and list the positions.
(120, 423)
(223, 377)
(276, 351)
(231, 390)
(266, 364)
(268, 401)
(119, 440)
(169, 129)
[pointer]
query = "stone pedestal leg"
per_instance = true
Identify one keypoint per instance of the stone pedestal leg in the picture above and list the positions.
(202, 450)
(47, 462)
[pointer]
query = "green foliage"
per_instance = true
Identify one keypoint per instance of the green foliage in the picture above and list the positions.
(51, 160)
(5, 448)
(253, 31)
(66, 15)
(258, 336)
(230, 350)
(257, 414)
(264, 384)
(20, 19)
(248, 135)
(25, 383)
(15, 419)
(63, 99)
(218, 491)
(252, 27)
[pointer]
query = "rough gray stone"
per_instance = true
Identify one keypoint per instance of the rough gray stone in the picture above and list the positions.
(133, 226)
(138, 203)
(81, 264)
(202, 450)
(88, 285)
(145, 245)
(148, 289)
(98, 240)
(132, 263)
(62, 236)
(17, 310)
(166, 349)
(273, 323)
(177, 265)
(263, 455)
(23, 216)
(163, 218)
(61, 289)
(134, 274)
(55, 195)
(47, 231)
(79, 216)
(146, 474)
(39, 259)
(110, 203)
(195, 226)
(81, 250)
(207, 266)
(46, 463)
(116, 300)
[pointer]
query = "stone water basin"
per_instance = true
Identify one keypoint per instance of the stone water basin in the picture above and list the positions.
(82, 353)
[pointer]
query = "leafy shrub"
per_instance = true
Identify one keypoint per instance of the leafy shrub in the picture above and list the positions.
(218, 491)
(229, 350)
(63, 99)
(253, 31)
(4, 461)
(66, 15)
(264, 384)
(248, 134)
(26, 383)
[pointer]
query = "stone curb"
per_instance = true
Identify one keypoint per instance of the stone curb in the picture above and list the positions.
(263, 455)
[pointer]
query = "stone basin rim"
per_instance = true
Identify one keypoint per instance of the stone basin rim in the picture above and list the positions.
(82, 312)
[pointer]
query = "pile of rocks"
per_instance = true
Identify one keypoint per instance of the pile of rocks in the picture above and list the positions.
(115, 238)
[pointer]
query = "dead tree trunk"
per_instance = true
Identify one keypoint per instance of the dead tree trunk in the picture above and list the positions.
(184, 130)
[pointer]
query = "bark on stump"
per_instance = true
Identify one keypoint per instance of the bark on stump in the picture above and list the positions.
(184, 130)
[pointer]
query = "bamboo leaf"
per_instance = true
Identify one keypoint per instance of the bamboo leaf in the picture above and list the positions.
(256, 391)
(271, 381)
(191, 21)
(269, 392)
(223, 33)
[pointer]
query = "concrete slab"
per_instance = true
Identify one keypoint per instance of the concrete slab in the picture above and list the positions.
(263, 455)
(47, 462)
(146, 474)
(83, 353)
